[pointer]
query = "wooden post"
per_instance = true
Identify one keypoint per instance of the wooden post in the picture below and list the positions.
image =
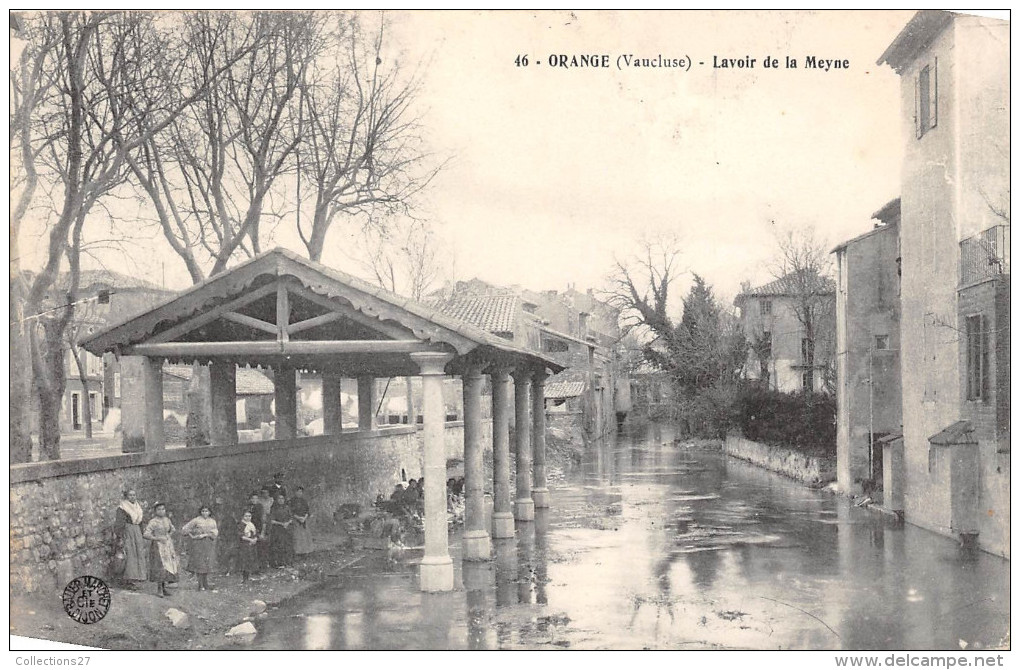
(436, 567)
(152, 374)
(366, 403)
(286, 401)
(223, 392)
(332, 418)
(476, 542)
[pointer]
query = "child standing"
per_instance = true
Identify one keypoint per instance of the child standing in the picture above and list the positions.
(247, 558)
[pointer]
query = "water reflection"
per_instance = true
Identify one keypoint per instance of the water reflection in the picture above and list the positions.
(651, 544)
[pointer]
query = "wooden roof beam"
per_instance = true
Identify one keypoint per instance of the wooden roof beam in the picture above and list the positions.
(295, 348)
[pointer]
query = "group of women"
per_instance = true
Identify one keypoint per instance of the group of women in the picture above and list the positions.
(269, 533)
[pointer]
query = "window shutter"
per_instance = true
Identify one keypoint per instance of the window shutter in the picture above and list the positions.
(917, 106)
(933, 86)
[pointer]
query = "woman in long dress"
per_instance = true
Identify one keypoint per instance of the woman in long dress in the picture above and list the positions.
(281, 536)
(163, 563)
(202, 553)
(129, 541)
(302, 536)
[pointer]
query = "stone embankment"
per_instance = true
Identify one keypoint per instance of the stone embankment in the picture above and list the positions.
(788, 462)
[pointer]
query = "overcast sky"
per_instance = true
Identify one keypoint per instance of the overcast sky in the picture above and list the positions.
(554, 171)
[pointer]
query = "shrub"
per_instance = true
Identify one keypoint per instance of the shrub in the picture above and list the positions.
(801, 421)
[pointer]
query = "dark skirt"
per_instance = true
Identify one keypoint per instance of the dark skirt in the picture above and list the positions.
(157, 571)
(202, 556)
(134, 553)
(281, 546)
(247, 557)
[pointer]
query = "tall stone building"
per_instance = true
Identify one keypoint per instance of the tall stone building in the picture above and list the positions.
(954, 328)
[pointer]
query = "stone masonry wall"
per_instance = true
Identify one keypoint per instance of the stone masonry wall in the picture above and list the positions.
(62, 512)
(784, 461)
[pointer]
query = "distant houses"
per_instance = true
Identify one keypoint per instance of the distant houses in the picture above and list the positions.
(948, 468)
(781, 353)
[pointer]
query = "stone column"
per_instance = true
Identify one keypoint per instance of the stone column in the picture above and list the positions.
(524, 506)
(152, 376)
(436, 566)
(366, 403)
(223, 393)
(477, 545)
(502, 516)
(540, 488)
(893, 475)
(286, 401)
(132, 403)
(332, 417)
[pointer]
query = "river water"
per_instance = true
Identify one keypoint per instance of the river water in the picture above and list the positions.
(652, 545)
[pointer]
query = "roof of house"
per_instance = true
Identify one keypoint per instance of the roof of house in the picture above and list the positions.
(496, 314)
(784, 286)
(560, 390)
(958, 433)
(111, 279)
(915, 36)
(249, 381)
(426, 323)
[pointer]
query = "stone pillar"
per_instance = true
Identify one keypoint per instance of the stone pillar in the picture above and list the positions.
(477, 545)
(132, 403)
(332, 417)
(152, 376)
(436, 566)
(540, 487)
(223, 393)
(286, 401)
(524, 506)
(502, 516)
(366, 403)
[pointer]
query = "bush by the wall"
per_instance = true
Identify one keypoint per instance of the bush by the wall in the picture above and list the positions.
(802, 421)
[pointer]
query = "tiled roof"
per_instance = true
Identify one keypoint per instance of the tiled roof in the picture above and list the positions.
(961, 432)
(249, 381)
(494, 313)
(786, 285)
(557, 390)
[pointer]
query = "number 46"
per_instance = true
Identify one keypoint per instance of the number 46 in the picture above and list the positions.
(522, 60)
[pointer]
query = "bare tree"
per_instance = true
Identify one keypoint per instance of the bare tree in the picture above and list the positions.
(361, 148)
(805, 266)
(81, 132)
(213, 174)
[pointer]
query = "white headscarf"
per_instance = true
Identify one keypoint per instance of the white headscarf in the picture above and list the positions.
(133, 510)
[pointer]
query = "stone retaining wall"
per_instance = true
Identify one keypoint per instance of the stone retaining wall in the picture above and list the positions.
(62, 512)
(787, 462)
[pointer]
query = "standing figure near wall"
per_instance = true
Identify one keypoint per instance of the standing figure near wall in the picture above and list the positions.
(129, 541)
(163, 563)
(248, 537)
(301, 511)
(202, 553)
(281, 533)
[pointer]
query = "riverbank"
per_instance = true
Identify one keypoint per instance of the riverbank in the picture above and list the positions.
(137, 619)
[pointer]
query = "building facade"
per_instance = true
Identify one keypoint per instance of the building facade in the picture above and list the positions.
(780, 351)
(954, 74)
(868, 390)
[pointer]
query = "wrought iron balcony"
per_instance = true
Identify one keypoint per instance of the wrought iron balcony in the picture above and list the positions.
(984, 255)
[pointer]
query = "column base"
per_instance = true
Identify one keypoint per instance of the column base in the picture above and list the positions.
(540, 496)
(502, 525)
(436, 573)
(477, 545)
(524, 509)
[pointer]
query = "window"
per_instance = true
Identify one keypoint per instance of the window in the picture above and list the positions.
(116, 384)
(881, 342)
(926, 91)
(807, 380)
(977, 358)
(766, 307)
(766, 343)
(807, 351)
(93, 410)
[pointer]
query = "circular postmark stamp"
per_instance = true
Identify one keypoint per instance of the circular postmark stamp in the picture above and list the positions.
(86, 599)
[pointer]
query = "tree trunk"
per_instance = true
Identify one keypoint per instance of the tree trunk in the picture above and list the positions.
(86, 411)
(412, 417)
(48, 371)
(20, 386)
